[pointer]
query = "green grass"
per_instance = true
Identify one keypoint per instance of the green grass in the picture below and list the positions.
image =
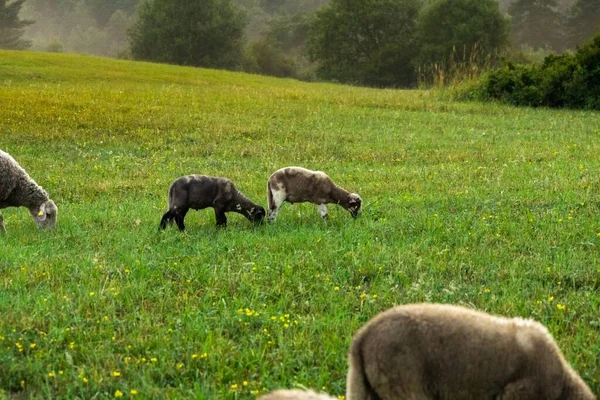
(482, 205)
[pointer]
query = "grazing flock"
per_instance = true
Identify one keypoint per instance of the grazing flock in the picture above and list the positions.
(412, 352)
(291, 184)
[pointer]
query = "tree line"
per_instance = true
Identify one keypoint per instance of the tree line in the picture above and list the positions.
(367, 42)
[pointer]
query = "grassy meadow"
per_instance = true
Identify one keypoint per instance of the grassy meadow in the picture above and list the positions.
(484, 205)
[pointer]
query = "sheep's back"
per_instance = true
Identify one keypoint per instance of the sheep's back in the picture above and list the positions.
(200, 191)
(441, 350)
(301, 184)
(10, 175)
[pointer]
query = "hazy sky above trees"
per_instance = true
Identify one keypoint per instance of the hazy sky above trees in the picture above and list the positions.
(276, 32)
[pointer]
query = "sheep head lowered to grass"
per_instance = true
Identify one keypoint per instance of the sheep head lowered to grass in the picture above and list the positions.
(201, 191)
(17, 189)
(298, 185)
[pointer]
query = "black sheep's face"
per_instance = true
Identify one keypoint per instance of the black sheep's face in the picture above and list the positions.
(354, 205)
(256, 214)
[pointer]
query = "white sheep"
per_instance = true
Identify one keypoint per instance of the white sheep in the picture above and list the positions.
(295, 394)
(298, 185)
(17, 189)
(432, 351)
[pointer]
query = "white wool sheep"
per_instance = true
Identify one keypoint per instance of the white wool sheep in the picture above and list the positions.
(432, 351)
(298, 185)
(17, 189)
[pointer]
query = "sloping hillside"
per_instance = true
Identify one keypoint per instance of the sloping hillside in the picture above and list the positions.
(483, 205)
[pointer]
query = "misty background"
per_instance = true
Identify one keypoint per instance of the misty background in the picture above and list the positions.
(99, 27)
(386, 43)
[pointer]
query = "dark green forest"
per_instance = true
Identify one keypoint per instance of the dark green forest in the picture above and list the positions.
(368, 42)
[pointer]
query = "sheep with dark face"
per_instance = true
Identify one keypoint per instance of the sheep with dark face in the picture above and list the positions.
(298, 185)
(17, 189)
(201, 191)
(295, 394)
(431, 351)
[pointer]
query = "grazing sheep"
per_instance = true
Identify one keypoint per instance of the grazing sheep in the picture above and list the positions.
(201, 191)
(429, 351)
(298, 185)
(295, 394)
(17, 189)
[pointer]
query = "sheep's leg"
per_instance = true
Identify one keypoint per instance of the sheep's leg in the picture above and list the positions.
(2, 229)
(179, 217)
(167, 219)
(323, 211)
(221, 218)
(356, 387)
(278, 197)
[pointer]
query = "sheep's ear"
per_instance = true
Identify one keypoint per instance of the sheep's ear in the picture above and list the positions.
(40, 215)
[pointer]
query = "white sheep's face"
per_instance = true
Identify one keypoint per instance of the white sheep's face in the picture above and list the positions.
(45, 216)
(354, 204)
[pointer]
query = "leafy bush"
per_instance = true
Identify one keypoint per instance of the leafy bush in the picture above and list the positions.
(475, 28)
(55, 47)
(369, 42)
(281, 51)
(208, 33)
(567, 80)
(264, 56)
